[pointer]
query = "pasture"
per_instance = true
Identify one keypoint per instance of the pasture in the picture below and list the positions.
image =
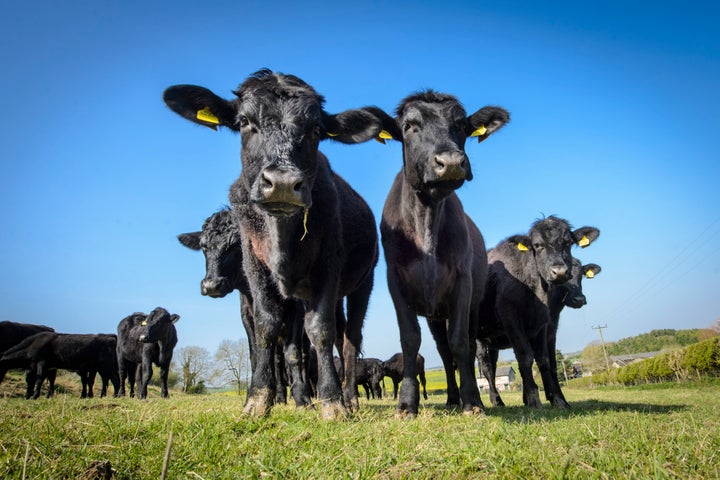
(657, 431)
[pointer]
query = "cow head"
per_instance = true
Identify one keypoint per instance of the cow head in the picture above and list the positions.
(433, 128)
(549, 242)
(571, 293)
(220, 243)
(157, 324)
(281, 122)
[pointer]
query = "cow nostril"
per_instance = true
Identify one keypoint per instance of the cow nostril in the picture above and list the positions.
(266, 181)
(298, 186)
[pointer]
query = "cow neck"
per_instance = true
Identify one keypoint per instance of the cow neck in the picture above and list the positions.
(424, 220)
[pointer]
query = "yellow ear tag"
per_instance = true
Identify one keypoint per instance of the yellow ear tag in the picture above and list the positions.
(384, 134)
(584, 242)
(522, 247)
(481, 130)
(332, 134)
(207, 116)
(304, 225)
(144, 323)
(590, 274)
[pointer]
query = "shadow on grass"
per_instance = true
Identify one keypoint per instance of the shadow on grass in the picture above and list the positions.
(522, 414)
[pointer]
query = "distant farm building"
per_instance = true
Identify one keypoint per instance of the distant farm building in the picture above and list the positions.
(617, 361)
(504, 377)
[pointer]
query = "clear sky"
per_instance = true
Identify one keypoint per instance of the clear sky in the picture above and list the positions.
(615, 123)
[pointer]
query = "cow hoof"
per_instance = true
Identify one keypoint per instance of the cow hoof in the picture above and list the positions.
(259, 404)
(405, 415)
(561, 404)
(333, 410)
(475, 411)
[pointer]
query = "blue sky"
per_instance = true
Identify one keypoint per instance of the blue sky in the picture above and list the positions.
(615, 124)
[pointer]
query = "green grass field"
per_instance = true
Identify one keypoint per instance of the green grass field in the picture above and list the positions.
(667, 431)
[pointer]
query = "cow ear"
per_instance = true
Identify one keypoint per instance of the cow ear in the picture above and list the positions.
(174, 318)
(201, 106)
(486, 121)
(590, 270)
(190, 240)
(520, 242)
(351, 126)
(390, 128)
(584, 236)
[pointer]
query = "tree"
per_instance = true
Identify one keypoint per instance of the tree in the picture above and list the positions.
(195, 366)
(710, 332)
(593, 358)
(564, 366)
(233, 364)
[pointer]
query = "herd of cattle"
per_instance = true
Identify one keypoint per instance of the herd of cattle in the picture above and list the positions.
(142, 339)
(300, 246)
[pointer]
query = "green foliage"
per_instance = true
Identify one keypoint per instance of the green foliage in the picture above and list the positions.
(696, 360)
(653, 341)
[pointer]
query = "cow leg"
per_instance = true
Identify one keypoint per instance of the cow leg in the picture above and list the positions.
(41, 372)
(51, 374)
(164, 371)
(268, 314)
(294, 357)
(357, 303)
(246, 315)
(459, 335)
(280, 375)
(122, 375)
(90, 383)
(320, 327)
(83, 381)
(550, 382)
(438, 328)
(552, 352)
(487, 361)
(145, 376)
(30, 377)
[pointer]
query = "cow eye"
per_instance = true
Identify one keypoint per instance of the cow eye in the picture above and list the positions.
(538, 246)
(244, 122)
(410, 127)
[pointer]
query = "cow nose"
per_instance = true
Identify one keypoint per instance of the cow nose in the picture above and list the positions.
(281, 186)
(559, 274)
(452, 166)
(213, 287)
(578, 301)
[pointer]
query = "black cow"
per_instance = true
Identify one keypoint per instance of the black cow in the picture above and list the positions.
(393, 367)
(220, 243)
(523, 269)
(142, 341)
(86, 354)
(436, 258)
(568, 294)
(12, 333)
(306, 234)
(369, 375)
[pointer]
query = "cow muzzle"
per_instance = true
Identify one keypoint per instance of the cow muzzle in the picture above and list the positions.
(280, 191)
(215, 287)
(452, 166)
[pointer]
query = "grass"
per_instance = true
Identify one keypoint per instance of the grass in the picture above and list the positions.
(660, 432)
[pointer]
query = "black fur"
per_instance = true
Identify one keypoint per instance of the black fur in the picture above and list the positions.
(394, 368)
(306, 234)
(523, 270)
(220, 242)
(86, 354)
(142, 341)
(435, 254)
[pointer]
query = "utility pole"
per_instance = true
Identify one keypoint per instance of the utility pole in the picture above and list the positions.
(602, 341)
